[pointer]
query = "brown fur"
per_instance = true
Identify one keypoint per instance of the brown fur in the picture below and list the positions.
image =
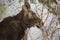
(13, 28)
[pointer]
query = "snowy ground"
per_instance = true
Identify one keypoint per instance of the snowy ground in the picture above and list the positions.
(51, 23)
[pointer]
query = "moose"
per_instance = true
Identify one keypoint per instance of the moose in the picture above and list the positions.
(13, 28)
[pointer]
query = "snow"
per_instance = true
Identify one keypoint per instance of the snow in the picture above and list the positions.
(51, 22)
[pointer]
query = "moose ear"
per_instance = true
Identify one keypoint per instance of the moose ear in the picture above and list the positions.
(24, 8)
(27, 5)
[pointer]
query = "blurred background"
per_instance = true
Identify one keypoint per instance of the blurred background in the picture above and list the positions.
(47, 10)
